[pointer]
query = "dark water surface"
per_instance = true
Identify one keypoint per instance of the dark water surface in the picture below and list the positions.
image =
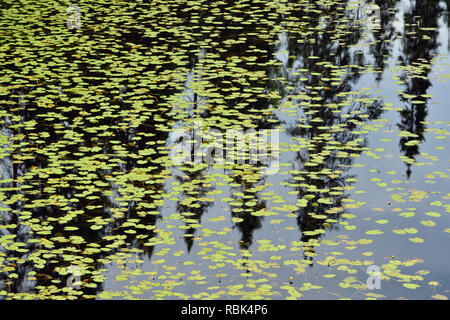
(93, 204)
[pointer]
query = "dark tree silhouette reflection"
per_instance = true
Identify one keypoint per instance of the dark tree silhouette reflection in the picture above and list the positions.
(419, 45)
(326, 119)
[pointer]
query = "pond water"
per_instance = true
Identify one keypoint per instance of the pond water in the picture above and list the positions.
(99, 100)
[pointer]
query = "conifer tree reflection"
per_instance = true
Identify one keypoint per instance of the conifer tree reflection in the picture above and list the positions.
(419, 45)
(327, 120)
(215, 71)
(383, 36)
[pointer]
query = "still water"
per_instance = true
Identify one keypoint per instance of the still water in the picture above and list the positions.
(94, 99)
